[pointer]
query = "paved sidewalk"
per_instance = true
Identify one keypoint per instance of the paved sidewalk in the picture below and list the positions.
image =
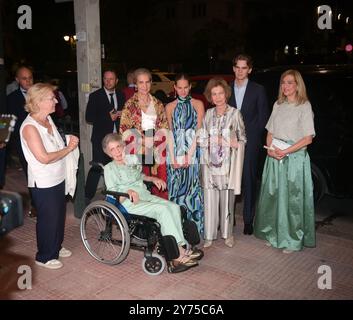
(249, 270)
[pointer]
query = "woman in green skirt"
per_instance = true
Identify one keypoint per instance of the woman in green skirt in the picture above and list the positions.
(285, 209)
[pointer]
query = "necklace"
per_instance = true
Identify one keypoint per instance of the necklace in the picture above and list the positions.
(218, 115)
(217, 152)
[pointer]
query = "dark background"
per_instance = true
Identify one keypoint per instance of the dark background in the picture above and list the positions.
(196, 36)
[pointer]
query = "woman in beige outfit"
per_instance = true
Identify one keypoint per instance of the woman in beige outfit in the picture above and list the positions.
(222, 140)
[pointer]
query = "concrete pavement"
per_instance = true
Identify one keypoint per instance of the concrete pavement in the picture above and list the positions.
(249, 270)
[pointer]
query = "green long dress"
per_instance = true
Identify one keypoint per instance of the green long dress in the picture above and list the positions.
(121, 178)
(285, 208)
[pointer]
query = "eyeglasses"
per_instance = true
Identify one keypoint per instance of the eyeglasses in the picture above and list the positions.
(51, 98)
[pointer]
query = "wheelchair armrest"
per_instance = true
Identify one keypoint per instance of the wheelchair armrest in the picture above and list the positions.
(116, 194)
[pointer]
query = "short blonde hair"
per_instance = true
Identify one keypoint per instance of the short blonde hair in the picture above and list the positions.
(140, 71)
(111, 137)
(217, 82)
(301, 89)
(35, 94)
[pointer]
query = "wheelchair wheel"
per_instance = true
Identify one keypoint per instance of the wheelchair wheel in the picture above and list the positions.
(153, 265)
(105, 232)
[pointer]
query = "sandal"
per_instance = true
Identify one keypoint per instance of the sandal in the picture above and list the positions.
(195, 254)
(182, 264)
(185, 260)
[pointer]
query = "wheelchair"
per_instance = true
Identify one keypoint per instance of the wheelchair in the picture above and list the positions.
(108, 232)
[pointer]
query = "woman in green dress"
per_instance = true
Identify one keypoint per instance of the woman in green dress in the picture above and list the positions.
(123, 174)
(285, 209)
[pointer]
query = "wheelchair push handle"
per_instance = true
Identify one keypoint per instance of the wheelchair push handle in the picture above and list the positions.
(96, 164)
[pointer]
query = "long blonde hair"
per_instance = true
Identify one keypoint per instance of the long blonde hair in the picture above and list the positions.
(301, 89)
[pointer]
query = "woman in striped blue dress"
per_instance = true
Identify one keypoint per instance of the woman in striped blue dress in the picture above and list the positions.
(185, 116)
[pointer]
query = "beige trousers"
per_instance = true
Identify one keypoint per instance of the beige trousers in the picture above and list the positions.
(219, 212)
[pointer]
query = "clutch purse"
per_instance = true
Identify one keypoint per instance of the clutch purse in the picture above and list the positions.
(280, 144)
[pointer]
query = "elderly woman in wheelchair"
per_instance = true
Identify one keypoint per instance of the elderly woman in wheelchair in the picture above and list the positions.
(132, 216)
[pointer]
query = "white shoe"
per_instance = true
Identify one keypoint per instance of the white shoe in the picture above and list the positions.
(287, 251)
(64, 253)
(51, 264)
(229, 242)
(207, 243)
(268, 244)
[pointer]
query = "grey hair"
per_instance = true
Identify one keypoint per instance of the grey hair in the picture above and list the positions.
(111, 137)
(140, 71)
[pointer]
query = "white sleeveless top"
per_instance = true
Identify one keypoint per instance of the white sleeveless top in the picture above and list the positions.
(149, 119)
(40, 174)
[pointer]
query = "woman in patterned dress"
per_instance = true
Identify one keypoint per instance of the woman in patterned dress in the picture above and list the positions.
(143, 125)
(184, 116)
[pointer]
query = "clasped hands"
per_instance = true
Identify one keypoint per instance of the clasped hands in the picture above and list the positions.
(277, 153)
(182, 162)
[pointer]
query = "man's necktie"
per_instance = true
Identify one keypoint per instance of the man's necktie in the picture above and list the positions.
(112, 100)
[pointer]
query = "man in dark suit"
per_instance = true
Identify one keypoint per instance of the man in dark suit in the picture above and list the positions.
(250, 98)
(103, 112)
(15, 105)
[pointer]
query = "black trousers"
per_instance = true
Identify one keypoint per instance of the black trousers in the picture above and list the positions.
(252, 152)
(95, 173)
(51, 212)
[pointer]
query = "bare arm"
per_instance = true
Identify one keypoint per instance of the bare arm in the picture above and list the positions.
(295, 147)
(35, 144)
(169, 111)
(200, 110)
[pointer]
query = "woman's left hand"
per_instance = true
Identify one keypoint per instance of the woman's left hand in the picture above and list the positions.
(73, 142)
(159, 183)
(279, 154)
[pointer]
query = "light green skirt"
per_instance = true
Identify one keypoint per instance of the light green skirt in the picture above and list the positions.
(285, 208)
